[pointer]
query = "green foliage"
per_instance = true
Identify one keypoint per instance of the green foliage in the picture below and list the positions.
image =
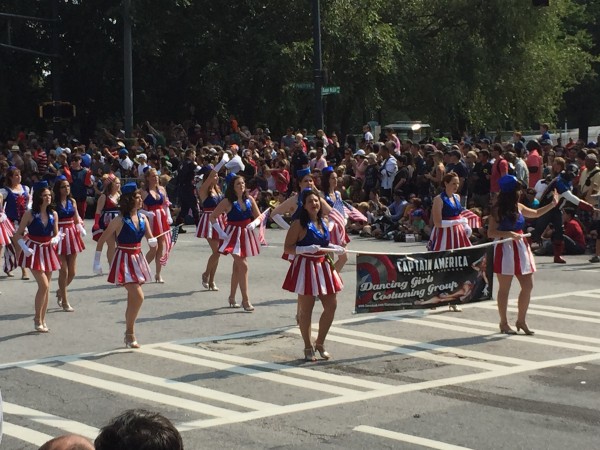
(456, 63)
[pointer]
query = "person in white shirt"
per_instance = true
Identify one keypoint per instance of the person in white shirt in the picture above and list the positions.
(388, 169)
(142, 161)
(235, 164)
(368, 136)
(318, 162)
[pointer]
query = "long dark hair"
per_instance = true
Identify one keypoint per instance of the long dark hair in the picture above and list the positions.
(230, 191)
(325, 186)
(507, 206)
(303, 215)
(127, 202)
(37, 201)
(56, 192)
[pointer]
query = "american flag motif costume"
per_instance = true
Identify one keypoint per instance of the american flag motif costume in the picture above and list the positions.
(205, 228)
(513, 257)
(159, 224)
(240, 241)
(71, 243)
(313, 274)
(129, 263)
(109, 212)
(455, 236)
(44, 257)
(338, 221)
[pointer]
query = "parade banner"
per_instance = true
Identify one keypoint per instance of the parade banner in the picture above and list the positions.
(423, 280)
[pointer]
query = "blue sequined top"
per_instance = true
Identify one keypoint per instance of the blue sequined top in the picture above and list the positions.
(37, 228)
(129, 233)
(449, 209)
(65, 212)
(151, 201)
(237, 215)
(314, 236)
(508, 225)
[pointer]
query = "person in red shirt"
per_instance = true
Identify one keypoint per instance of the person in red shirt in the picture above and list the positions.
(574, 237)
(499, 169)
(282, 177)
(534, 162)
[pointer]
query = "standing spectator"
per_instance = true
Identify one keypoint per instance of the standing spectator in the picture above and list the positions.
(125, 163)
(534, 162)
(388, 170)
(437, 172)
(318, 162)
(299, 160)
(235, 164)
(80, 179)
(281, 176)
(499, 169)
(521, 170)
(142, 162)
(402, 177)
(371, 181)
(187, 189)
(367, 135)
(41, 159)
(390, 135)
(481, 175)
(360, 165)
(589, 181)
(30, 169)
(458, 166)
(288, 140)
(545, 130)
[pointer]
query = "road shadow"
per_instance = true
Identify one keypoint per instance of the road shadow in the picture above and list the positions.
(18, 335)
(14, 316)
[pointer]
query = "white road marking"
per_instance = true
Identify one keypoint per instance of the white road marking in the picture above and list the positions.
(538, 332)
(408, 438)
(51, 420)
(582, 312)
(409, 351)
(369, 395)
(537, 312)
(305, 384)
(174, 385)
(132, 391)
(25, 434)
(424, 345)
(340, 379)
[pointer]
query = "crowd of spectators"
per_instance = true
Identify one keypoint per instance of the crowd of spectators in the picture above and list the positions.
(391, 181)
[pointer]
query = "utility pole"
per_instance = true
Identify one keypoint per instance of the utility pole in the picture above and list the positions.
(318, 64)
(127, 69)
(55, 67)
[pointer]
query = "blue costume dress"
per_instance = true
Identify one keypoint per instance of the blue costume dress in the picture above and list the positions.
(44, 258)
(129, 264)
(240, 241)
(205, 229)
(455, 236)
(71, 242)
(513, 257)
(313, 274)
(160, 221)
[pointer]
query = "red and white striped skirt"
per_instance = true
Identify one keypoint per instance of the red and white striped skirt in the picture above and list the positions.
(105, 219)
(7, 229)
(240, 241)
(129, 265)
(44, 258)
(205, 228)
(448, 238)
(513, 258)
(312, 275)
(71, 242)
(159, 222)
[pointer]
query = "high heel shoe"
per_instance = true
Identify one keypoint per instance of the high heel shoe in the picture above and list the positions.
(205, 282)
(39, 327)
(523, 326)
(324, 353)
(247, 306)
(213, 287)
(130, 341)
(506, 329)
(233, 303)
(309, 354)
(158, 279)
(454, 308)
(63, 304)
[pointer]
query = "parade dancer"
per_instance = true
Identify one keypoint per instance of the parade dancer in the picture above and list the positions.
(17, 201)
(7, 229)
(450, 230)
(563, 183)
(38, 249)
(70, 226)
(107, 209)
(210, 195)
(513, 258)
(156, 208)
(334, 199)
(239, 239)
(129, 267)
(311, 272)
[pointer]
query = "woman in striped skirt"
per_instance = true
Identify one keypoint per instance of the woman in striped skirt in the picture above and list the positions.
(210, 195)
(129, 267)
(156, 203)
(513, 258)
(70, 225)
(7, 229)
(450, 231)
(239, 240)
(106, 210)
(38, 249)
(312, 272)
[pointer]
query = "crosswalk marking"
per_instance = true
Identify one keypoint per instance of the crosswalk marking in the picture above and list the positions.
(174, 385)
(323, 376)
(305, 384)
(424, 345)
(51, 420)
(408, 351)
(424, 442)
(25, 434)
(538, 312)
(132, 391)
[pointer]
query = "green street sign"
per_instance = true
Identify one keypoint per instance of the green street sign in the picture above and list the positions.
(329, 90)
(303, 86)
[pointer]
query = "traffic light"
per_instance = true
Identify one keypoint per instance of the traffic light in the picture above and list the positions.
(540, 2)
